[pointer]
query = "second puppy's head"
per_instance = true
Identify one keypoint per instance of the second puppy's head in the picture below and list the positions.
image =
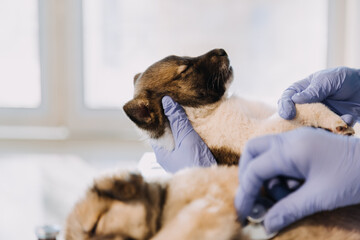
(190, 81)
(119, 207)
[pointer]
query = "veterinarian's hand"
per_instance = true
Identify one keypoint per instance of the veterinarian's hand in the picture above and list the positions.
(329, 164)
(190, 150)
(338, 88)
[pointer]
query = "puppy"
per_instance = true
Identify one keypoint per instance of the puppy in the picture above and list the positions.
(197, 203)
(194, 204)
(225, 123)
(126, 207)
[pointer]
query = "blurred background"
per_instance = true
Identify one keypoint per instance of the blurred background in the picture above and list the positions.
(66, 69)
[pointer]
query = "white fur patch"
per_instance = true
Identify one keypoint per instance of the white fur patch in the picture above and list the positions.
(166, 140)
(227, 86)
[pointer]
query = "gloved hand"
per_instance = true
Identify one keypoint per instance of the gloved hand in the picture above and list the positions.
(190, 150)
(337, 88)
(329, 164)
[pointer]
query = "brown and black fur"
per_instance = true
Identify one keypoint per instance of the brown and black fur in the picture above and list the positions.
(225, 156)
(193, 84)
(126, 188)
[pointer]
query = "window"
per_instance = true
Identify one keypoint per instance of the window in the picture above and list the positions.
(19, 50)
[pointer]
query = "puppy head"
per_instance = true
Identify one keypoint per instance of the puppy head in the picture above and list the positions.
(121, 207)
(192, 82)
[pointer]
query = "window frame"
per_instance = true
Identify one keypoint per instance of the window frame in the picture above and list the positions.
(83, 121)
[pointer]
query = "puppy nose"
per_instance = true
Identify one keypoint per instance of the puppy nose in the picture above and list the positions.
(220, 52)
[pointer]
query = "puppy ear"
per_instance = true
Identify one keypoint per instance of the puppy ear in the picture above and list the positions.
(182, 68)
(138, 111)
(123, 188)
(136, 77)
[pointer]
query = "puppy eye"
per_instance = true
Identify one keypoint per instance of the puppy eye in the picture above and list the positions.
(182, 69)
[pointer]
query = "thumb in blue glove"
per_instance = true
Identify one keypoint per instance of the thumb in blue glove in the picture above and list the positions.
(337, 88)
(328, 163)
(190, 150)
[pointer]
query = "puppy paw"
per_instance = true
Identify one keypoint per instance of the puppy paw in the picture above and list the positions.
(318, 115)
(339, 128)
(344, 129)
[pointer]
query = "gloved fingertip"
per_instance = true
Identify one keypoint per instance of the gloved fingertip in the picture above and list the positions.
(348, 119)
(286, 109)
(287, 115)
(289, 209)
(273, 224)
(168, 103)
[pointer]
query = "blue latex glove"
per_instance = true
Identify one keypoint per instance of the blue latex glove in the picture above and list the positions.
(329, 164)
(338, 88)
(190, 150)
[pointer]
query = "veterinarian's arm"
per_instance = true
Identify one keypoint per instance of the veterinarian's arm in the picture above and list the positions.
(190, 150)
(329, 164)
(338, 88)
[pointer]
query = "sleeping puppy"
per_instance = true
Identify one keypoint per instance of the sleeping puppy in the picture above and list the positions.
(197, 203)
(194, 204)
(126, 207)
(225, 123)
